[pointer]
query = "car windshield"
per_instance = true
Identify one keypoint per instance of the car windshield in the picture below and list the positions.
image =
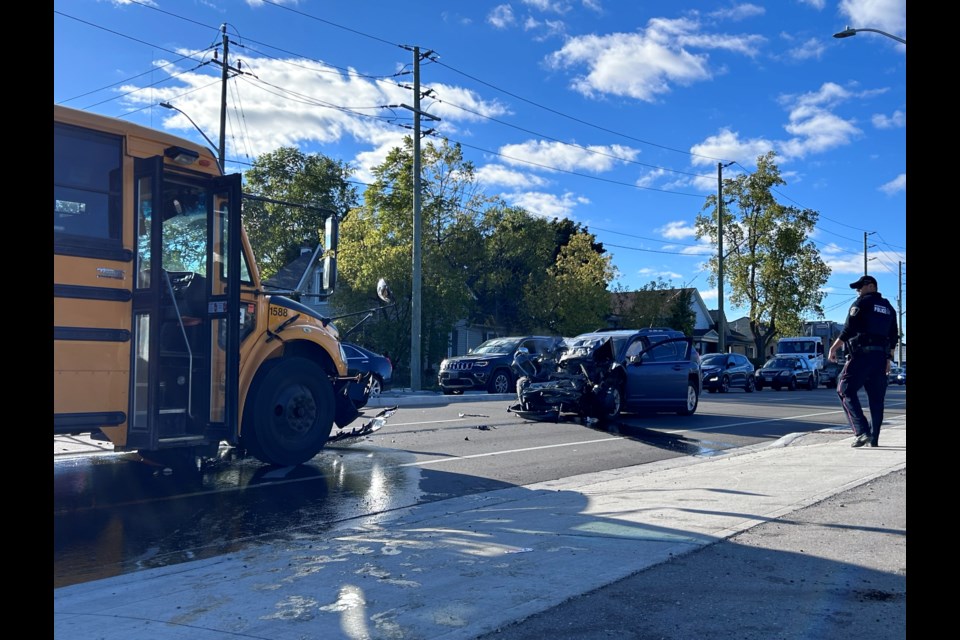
(497, 345)
(713, 360)
(781, 363)
(583, 345)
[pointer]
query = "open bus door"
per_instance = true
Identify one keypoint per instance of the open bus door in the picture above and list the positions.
(185, 358)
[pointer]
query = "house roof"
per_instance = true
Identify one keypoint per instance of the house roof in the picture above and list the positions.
(291, 274)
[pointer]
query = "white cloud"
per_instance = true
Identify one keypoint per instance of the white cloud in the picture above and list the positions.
(896, 120)
(810, 49)
(551, 6)
(738, 12)
(501, 16)
(555, 155)
(885, 15)
(654, 274)
(310, 115)
(548, 205)
(816, 4)
(727, 144)
(815, 127)
(679, 230)
(646, 65)
(896, 185)
(499, 175)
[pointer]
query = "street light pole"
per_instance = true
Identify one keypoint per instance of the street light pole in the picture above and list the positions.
(848, 32)
(167, 105)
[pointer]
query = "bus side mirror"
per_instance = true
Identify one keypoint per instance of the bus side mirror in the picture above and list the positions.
(329, 273)
(331, 233)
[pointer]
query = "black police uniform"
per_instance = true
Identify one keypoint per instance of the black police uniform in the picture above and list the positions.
(869, 334)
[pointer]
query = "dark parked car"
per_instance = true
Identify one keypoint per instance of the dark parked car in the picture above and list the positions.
(897, 375)
(829, 374)
(660, 368)
(725, 371)
(490, 365)
(787, 372)
(361, 360)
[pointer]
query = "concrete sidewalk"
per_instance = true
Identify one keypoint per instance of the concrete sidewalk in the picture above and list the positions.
(460, 568)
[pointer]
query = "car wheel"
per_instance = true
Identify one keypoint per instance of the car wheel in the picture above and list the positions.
(375, 387)
(500, 382)
(749, 387)
(811, 384)
(613, 402)
(693, 399)
(724, 384)
(792, 385)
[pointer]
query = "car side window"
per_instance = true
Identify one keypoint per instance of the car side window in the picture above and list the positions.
(665, 352)
(635, 347)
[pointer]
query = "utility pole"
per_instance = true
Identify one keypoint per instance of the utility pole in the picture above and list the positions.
(416, 363)
(223, 95)
(900, 313)
(721, 320)
(224, 76)
(865, 234)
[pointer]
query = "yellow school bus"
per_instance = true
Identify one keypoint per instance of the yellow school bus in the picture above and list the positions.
(165, 342)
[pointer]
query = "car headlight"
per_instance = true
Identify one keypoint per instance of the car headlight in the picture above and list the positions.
(443, 365)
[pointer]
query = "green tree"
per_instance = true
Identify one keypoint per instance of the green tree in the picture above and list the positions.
(481, 260)
(655, 304)
(573, 298)
(278, 231)
(771, 265)
(376, 241)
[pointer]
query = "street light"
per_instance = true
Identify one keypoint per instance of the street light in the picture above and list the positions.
(167, 105)
(848, 32)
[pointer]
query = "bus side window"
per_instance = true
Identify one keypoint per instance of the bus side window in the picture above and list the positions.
(87, 181)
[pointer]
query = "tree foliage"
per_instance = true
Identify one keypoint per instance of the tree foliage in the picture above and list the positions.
(278, 231)
(655, 304)
(481, 260)
(771, 265)
(573, 298)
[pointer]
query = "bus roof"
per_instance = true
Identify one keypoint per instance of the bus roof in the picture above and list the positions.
(121, 127)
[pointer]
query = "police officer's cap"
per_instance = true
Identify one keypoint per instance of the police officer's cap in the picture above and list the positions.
(864, 280)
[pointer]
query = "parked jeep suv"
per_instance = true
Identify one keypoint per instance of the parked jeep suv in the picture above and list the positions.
(490, 365)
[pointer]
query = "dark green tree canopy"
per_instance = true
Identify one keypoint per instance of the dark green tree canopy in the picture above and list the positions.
(278, 231)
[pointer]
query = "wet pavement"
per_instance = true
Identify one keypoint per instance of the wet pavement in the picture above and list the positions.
(469, 566)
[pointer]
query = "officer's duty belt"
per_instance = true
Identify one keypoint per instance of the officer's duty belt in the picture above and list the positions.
(872, 349)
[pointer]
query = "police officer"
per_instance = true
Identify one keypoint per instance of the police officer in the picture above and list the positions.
(869, 335)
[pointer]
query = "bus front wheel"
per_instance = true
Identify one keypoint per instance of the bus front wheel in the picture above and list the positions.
(292, 412)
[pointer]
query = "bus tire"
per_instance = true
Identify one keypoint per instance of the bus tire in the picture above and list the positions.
(292, 412)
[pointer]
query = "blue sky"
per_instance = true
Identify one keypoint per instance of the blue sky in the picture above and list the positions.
(613, 113)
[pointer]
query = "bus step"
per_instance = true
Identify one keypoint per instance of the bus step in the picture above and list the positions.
(172, 423)
(179, 440)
